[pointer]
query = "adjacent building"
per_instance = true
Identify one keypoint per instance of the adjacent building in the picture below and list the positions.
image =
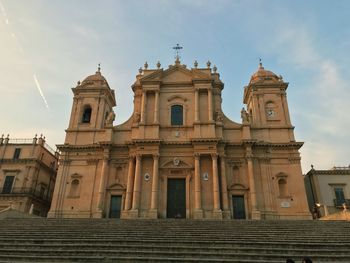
(178, 155)
(28, 169)
(328, 189)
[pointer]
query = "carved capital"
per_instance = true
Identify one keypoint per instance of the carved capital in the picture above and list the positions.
(197, 156)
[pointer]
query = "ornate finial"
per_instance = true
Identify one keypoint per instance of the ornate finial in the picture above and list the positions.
(208, 64)
(158, 65)
(215, 69)
(36, 135)
(177, 56)
(260, 64)
(140, 70)
(78, 83)
(146, 65)
(41, 135)
(312, 166)
(8, 136)
(99, 67)
(195, 64)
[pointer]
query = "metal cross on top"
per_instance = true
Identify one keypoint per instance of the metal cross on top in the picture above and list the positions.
(177, 49)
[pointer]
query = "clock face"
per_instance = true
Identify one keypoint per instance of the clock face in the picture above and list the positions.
(270, 113)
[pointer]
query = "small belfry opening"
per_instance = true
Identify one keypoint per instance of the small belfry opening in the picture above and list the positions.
(177, 115)
(86, 114)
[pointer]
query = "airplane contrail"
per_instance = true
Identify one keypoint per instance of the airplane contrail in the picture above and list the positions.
(40, 91)
(4, 13)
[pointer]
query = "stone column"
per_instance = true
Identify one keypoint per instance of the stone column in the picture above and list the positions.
(130, 183)
(197, 183)
(156, 107)
(137, 184)
(196, 105)
(285, 108)
(223, 184)
(101, 191)
(143, 107)
(210, 104)
(154, 196)
(216, 195)
(255, 212)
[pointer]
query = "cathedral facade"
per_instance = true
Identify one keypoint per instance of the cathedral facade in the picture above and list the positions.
(178, 155)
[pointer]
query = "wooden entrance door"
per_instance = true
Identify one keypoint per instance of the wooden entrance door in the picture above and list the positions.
(176, 198)
(115, 206)
(238, 207)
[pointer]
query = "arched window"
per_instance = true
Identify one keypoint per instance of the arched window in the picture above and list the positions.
(74, 188)
(282, 187)
(176, 115)
(86, 114)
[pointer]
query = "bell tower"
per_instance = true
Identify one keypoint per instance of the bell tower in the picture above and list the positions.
(92, 109)
(267, 107)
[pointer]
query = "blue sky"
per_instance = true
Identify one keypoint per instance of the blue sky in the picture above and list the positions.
(54, 44)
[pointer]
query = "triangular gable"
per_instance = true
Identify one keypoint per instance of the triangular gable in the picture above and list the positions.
(176, 163)
(176, 74)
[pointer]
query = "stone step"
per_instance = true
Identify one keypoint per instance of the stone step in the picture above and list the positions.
(133, 259)
(115, 254)
(203, 243)
(97, 249)
(165, 239)
(106, 240)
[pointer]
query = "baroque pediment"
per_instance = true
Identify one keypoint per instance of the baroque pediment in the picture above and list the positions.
(176, 163)
(177, 73)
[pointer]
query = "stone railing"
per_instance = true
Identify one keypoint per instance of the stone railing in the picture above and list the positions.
(34, 141)
(42, 195)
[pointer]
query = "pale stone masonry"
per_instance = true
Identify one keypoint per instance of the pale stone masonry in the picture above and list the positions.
(28, 169)
(178, 155)
(329, 189)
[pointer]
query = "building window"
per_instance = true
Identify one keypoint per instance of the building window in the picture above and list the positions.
(176, 115)
(74, 188)
(17, 153)
(86, 114)
(339, 196)
(7, 188)
(282, 187)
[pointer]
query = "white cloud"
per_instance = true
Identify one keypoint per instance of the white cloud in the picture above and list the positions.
(326, 116)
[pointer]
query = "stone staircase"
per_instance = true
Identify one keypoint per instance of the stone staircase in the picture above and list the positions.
(175, 240)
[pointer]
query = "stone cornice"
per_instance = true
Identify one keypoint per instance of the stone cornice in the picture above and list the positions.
(329, 172)
(205, 140)
(146, 141)
(69, 147)
(176, 143)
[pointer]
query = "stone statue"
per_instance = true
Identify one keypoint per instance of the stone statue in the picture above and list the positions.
(110, 119)
(244, 116)
(219, 116)
(137, 117)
